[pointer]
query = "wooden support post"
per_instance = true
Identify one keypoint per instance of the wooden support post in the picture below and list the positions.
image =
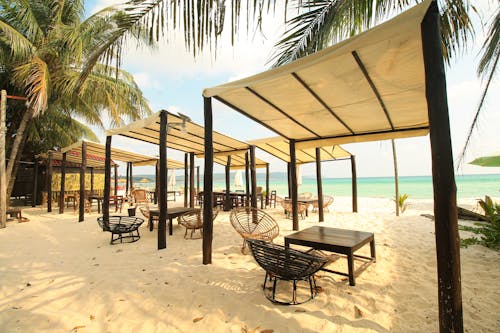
(289, 178)
(157, 182)
(247, 180)
(443, 177)
(107, 183)
(92, 181)
(294, 187)
(396, 178)
(83, 167)
(198, 179)
(131, 177)
(115, 192)
(227, 197)
(319, 182)
(354, 185)
(63, 184)
(162, 202)
(49, 181)
(127, 181)
(3, 175)
(35, 184)
(267, 184)
(191, 180)
(186, 185)
(208, 194)
(253, 176)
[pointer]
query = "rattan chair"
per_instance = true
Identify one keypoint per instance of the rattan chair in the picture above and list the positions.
(123, 227)
(327, 201)
(140, 196)
(194, 221)
(282, 263)
(145, 212)
(301, 208)
(253, 223)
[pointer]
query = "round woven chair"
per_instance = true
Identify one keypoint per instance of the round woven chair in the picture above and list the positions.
(327, 201)
(123, 227)
(253, 223)
(194, 221)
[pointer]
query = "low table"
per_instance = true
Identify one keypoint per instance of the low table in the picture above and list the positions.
(335, 240)
(171, 214)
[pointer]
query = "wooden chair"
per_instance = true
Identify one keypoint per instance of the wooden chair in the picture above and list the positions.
(272, 199)
(253, 223)
(301, 208)
(327, 201)
(282, 263)
(194, 221)
(140, 196)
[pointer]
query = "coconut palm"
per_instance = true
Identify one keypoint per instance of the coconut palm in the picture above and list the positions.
(50, 55)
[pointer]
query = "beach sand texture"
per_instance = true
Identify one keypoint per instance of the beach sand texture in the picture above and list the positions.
(58, 275)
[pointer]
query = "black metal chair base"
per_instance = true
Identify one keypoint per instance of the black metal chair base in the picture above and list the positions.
(274, 279)
(120, 237)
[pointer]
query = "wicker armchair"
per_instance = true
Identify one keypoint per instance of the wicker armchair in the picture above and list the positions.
(145, 212)
(282, 263)
(301, 208)
(120, 225)
(140, 196)
(194, 221)
(253, 223)
(327, 201)
(305, 195)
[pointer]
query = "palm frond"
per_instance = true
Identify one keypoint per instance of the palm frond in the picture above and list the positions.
(491, 48)
(35, 77)
(18, 45)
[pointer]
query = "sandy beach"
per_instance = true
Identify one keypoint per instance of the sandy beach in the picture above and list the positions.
(58, 275)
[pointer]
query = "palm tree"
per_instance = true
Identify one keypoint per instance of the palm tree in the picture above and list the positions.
(51, 56)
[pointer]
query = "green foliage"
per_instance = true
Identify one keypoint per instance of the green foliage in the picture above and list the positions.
(489, 231)
(401, 200)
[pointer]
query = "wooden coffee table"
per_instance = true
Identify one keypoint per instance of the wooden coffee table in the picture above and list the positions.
(335, 240)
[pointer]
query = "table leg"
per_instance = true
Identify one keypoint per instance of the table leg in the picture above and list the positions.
(98, 206)
(150, 222)
(350, 264)
(170, 227)
(372, 249)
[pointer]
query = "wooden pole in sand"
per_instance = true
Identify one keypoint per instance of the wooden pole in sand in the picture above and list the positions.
(49, 181)
(319, 181)
(191, 180)
(3, 175)
(267, 184)
(396, 178)
(83, 167)
(227, 197)
(162, 201)
(63, 183)
(115, 174)
(107, 183)
(35, 184)
(253, 176)
(247, 180)
(186, 176)
(354, 185)
(294, 187)
(208, 182)
(443, 178)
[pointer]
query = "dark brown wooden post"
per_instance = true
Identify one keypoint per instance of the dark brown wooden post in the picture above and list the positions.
(127, 183)
(227, 197)
(115, 192)
(319, 182)
(191, 180)
(198, 179)
(92, 181)
(354, 185)
(107, 183)
(35, 184)
(253, 176)
(289, 178)
(83, 167)
(157, 182)
(247, 179)
(186, 179)
(131, 176)
(162, 202)
(49, 182)
(208, 194)
(267, 184)
(294, 187)
(443, 178)
(63, 184)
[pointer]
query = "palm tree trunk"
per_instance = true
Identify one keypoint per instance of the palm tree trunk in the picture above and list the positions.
(396, 175)
(3, 178)
(16, 150)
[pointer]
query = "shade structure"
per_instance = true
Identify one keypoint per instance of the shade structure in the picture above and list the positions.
(74, 158)
(280, 148)
(487, 161)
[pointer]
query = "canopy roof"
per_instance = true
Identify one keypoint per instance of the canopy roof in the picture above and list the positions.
(238, 161)
(280, 148)
(99, 150)
(190, 141)
(488, 161)
(74, 158)
(370, 87)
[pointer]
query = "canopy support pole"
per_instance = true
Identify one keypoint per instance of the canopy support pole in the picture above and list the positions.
(191, 180)
(247, 179)
(319, 182)
(294, 187)
(127, 184)
(92, 181)
(162, 203)
(289, 179)
(253, 177)
(49, 182)
(267, 184)
(227, 197)
(443, 178)
(354, 185)
(107, 183)
(157, 182)
(186, 176)
(115, 192)
(198, 180)
(81, 208)
(63, 184)
(208, 194)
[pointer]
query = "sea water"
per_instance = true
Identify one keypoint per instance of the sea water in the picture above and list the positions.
(417, 187)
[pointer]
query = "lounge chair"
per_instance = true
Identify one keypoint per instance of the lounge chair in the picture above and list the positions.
(123, 227)
(282, 263)
(327, 201)
(194, 221)
(253, 223)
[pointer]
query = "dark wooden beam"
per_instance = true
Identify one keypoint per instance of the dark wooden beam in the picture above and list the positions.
(227, 197)
(354, 185)
(319, 182)
(198, 180)
(208, 194)
(63, 184)
(253, 176)
(247, 179)
(157, 182)
(186, 176)
(289, 178)
(127, 183)
(294, 187)
(107, 183)
(267, 184)
(49, 182)
(115, 192)
(162, 202)
(191, 180)
(131, 175)
(83, 167)
(443, 177)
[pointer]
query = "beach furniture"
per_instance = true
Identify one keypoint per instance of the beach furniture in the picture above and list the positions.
(301, 207)
(327, 201)
(253, 223)
(272, 199)
(193, 221)
(282, 263)
(140, 196)
(122, 227)
(154, 215)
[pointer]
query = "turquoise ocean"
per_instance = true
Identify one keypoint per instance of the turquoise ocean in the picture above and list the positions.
(417, 187)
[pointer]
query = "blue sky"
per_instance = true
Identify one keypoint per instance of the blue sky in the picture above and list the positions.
(172, 79)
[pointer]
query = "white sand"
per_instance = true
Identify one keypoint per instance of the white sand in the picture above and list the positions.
(58, 275)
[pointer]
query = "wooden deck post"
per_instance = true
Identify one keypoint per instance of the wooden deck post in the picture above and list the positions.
(267, 184)
(83, 167)
(191, 180)
(247, 179)
(107, 183)
(198, 179)
(162, 202)
(49, 182)
(289, 179)
(443, 178)
(354, 185)
(227, 197)
(186, 176)
(208, 183)
(127, 181)
(131, 176)
(63, 184)
(115, 192)
(253, 177)
(319, 182)
(294, 187)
